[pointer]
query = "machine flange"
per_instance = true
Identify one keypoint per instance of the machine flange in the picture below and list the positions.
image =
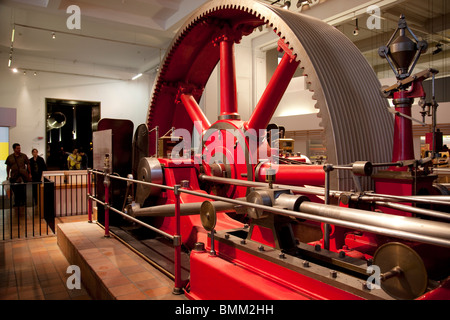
(208, 216)
(149, 170)
(403, 273)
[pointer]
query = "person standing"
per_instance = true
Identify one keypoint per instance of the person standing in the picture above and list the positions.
(18, 172)
(38, 166)
(74, 160)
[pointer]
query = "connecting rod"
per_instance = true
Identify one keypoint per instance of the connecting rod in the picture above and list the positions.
(319, 191)
(168, 210)
(431, 232)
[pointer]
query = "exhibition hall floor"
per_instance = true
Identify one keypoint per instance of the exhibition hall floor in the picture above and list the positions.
(37, 268)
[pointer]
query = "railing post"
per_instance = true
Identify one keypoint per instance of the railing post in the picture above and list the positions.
(107, 183)
(89, 194)
(177, 243)
(326, 227)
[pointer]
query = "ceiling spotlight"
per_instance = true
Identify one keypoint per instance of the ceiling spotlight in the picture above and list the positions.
(137, 76)
(15, 70)
(53, 35)
(438, 49)
(356, 31)
(35, 73)
(287, 5)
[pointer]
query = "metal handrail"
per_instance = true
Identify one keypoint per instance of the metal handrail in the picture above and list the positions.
(312, 211)
(427, 238)
(165, 234)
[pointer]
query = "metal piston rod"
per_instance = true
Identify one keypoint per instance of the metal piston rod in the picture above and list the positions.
(431, 232)
(168, 210)
(319, 191)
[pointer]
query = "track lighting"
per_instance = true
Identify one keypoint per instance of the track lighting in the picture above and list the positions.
(356, 31)
(137, 76)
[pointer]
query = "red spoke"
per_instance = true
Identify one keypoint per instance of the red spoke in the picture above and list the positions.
(274, 91)
(195, 113)
(228, 98)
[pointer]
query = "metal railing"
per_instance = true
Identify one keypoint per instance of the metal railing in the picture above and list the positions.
(35, 215)
(23, 217)
(70, 192)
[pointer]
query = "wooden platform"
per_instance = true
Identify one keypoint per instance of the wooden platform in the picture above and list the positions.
(109, 269)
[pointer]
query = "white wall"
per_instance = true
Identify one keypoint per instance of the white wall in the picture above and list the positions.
(120, 99)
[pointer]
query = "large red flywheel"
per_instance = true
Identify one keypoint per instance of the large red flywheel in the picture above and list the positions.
(353, 113)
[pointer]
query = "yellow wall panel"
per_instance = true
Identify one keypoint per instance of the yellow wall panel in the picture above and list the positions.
(4, 147)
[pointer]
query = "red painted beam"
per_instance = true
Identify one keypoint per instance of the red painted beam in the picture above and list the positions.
(228, 95)
(195, 113)
(294, 175)
(273, 94)
(403, 148)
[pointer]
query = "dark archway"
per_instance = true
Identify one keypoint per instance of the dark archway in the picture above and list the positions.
(70, 124)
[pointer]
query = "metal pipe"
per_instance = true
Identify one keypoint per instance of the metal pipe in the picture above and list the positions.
(415, 210)
(388, 227)
(246, 183)
(379, 220)
(430, 232)
(165, 234)
(186, 209)
(404, 224)
(441, 200)
(319, 191)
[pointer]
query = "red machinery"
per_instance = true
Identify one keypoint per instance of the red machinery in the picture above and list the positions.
(291, 231)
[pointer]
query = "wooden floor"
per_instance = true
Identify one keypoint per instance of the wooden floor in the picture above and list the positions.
(36, 268)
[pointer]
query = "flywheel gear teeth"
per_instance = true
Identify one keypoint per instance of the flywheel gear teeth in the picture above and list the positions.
(354, 116)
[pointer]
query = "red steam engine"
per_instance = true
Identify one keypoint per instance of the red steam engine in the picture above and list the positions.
(369, 224)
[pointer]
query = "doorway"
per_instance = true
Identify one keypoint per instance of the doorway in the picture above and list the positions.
(70, 125)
